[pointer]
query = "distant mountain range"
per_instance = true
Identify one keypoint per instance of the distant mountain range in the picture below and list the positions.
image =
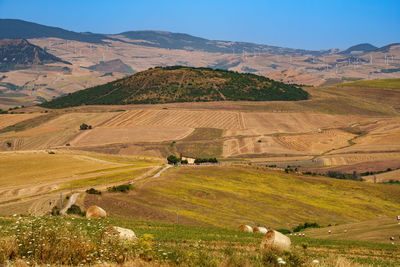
(19, 29)
(19, 54)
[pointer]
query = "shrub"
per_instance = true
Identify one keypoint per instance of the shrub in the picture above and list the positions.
(205, 160)
(184, 161)
(9, 144)
(84, 126)
(55, 211)
(93, 191)
(305, 226)
(75, 209)
(284, 231)
(124, 188)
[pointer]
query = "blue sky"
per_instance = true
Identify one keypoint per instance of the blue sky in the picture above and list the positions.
(308, 24)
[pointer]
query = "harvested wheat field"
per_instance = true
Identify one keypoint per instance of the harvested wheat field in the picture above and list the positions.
(11, 119)
(270, 123)
(107, 135)
(346, 159)
(40, 166)
(389, 142)
(376, 230)
(384, 177)
(56, 132)
(255, 145)
(181, 118)
(317, 142)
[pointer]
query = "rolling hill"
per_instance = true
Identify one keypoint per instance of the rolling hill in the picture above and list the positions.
(182, 84)
(19, 53)
(115, 65)
(360, 48)
(19, 29)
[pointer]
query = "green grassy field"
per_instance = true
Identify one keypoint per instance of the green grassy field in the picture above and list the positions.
(81, 242)
(230, 196)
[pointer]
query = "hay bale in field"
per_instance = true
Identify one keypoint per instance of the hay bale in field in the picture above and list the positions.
(122, 233)
(95, 212)
(260, 229)
(275, 241)
(245, 228)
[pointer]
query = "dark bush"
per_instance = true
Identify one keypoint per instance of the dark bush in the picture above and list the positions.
(84, 126)
(55, 211)
(93, 191)
(75, 209)
(205, 160)
(305, 226)
(284, 231)
(124, 188)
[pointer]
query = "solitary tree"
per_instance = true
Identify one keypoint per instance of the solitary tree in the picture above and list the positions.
(172, 159)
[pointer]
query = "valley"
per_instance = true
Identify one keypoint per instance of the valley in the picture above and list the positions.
(190, 143)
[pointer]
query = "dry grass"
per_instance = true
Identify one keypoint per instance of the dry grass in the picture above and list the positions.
(376, 230)
(230, 196)
(56, 132)
(384, 177)
(246, 146)
(19, 168)
(11, 119)
(178, 118)
(102, 136)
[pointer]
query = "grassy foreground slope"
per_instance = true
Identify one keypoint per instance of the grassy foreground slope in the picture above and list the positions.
(59, 241)
(182, 84)
(229, 196)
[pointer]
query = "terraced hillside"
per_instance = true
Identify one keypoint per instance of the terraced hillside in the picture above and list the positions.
(182, 84)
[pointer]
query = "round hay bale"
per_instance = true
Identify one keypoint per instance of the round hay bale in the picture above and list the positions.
(122, 233)
(125, 234)
(95, 212)
(275, 241)
(245, 228)
(260, 229)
